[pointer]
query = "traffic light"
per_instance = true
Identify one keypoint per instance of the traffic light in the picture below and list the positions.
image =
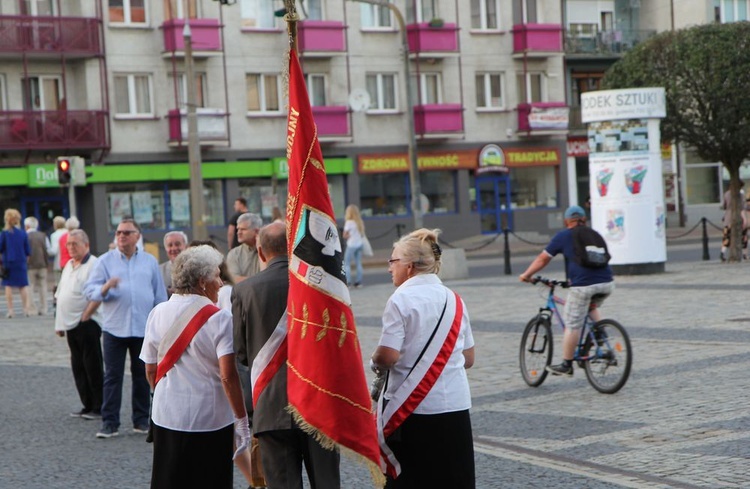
(63, 170)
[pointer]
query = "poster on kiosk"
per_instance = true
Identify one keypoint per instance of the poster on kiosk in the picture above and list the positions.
(625, 170)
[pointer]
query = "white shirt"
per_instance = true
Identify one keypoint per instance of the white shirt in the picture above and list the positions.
(355, 237)
(54, 246)
(71, 300)
(225, 298)
(190, 397)
(409, 319)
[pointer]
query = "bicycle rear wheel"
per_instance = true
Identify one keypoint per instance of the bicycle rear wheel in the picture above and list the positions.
(536, 350)
(610, 357)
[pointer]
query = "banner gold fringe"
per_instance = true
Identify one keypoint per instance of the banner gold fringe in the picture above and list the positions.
(378, 478)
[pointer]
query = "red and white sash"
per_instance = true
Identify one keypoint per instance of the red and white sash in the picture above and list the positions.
(178, 337)
(420, 380)
(270, 358)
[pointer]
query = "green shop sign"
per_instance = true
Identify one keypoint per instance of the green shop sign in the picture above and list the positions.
(42, 176)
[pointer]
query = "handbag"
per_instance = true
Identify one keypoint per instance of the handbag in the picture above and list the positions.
(366, 247)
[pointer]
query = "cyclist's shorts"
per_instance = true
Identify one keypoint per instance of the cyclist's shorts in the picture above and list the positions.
(579, 300)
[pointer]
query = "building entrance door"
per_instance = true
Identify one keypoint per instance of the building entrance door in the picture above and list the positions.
(44, 209)
(493, 203)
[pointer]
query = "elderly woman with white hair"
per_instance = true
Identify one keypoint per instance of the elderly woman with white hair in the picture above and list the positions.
(174, 243)
(198, 406)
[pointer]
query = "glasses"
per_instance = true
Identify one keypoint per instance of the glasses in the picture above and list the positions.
(124, 232)
(393, 260)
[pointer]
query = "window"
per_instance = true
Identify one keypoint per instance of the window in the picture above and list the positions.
(484, 14)
(175, 9)
(526, 12)
(388, 194)
(260, 196)
(259, 14)
(532, 87)
(314, 9)
(376, 17)
(200, 89)
(39, 7)
(490, 91)
(263, 92)
(382, 90)
(43, 92)
(731, 10)
(426, 10)
(316, 87)
(133, 96)
(430, 88)
(160, 205)
(127, 11)
(533, 187)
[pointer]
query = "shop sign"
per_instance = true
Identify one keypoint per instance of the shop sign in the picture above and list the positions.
(396, 162)
(43, 176)
(520, 157)
(492, 159)
(280, 167)
(553, 118)
(578, 147)
(629, 103)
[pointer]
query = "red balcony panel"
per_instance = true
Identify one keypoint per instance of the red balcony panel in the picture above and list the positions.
(438, 118)
(74, 36)
(325, 36)
(537, 38)
(53, 129)
(332, 120)
(206, 34)
(543, 116)
(426, 39)
(212, 126)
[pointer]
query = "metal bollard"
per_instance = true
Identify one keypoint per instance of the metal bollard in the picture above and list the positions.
(506, 252)
(705, 240)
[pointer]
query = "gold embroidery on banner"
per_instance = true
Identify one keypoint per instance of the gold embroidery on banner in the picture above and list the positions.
(289, 322)
(367, 409)
(305, 316)
(324, 329)
(344, 330)
(317, 164)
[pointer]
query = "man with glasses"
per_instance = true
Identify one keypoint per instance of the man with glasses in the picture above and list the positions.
(128, 283)
(242, 261)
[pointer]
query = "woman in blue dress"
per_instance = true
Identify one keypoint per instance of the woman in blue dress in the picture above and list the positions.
(15, 250)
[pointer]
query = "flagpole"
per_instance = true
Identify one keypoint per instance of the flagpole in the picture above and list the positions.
(291, 19)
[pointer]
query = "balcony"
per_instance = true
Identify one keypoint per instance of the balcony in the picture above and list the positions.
(49, 37)
(603, 44)
(438, 120)
(425, 39)
(206, 35)
(543, 118)
(53, 129)
(537, 40)
(332, 122)
(320, 38)
(212, 127)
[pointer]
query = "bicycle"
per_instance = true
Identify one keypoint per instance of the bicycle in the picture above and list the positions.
(603, 348)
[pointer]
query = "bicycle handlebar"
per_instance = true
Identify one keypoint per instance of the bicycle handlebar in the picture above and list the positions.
(550, 282)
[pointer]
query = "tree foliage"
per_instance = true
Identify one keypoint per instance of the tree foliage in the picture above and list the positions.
(705, 71)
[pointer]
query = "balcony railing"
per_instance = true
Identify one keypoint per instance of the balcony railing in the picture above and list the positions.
(320, 36)
(424, 38)
(607, 43)
(53, 129)
(537, 38)
(212, 126)
(332, 121)
(438, 119)
(51, 36)
(206, 35)
(543, 117)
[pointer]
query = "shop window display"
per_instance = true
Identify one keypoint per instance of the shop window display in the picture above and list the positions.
(534, 187)
(387, 194)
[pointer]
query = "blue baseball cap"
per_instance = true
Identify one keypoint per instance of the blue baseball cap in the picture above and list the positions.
(574, 211)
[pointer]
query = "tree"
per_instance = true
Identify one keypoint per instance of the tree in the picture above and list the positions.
(705, 71)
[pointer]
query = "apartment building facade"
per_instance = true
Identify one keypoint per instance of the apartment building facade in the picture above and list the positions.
(106, 81)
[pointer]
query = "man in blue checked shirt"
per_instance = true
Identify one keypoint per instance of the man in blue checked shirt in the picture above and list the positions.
(128, 283)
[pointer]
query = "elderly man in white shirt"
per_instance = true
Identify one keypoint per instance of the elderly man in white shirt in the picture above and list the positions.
(80, 320)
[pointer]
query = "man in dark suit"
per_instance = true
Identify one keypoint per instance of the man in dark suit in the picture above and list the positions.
(258, 304)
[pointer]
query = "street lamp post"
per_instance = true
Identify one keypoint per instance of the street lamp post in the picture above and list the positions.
(416, 188)
(197, 205)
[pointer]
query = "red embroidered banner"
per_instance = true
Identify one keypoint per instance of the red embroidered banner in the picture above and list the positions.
(328, 393)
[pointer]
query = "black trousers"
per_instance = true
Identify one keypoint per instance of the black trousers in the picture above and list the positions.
(192, 459)
(85, 346)
(434, 450)
(283, 453)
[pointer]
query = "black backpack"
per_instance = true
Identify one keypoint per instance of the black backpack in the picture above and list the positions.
(589, 248)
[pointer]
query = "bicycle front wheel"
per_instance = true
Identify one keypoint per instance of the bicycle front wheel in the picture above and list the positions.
(610, 358)
(536, 351)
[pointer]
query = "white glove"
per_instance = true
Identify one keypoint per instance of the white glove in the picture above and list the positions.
(242, 435)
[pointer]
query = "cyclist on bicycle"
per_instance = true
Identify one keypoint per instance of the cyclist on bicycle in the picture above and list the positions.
(589, 286)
